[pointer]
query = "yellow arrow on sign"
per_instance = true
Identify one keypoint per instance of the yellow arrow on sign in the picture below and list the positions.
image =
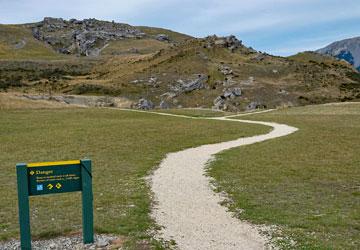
(50, 186)
(58, 185)
(32, 172)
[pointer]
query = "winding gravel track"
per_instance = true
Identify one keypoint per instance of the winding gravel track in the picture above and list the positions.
(186, 207)
(188, 210)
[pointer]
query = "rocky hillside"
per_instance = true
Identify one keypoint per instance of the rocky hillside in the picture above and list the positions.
(158, 68)
(221, 72)
(348, 50)
(84, 37)
(87, 37)
(53, 38)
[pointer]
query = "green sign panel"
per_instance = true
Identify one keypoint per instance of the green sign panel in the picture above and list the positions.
(50, 178)
(54, 179)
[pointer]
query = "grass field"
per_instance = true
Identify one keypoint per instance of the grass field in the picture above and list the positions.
(124, 146)
(308, 183)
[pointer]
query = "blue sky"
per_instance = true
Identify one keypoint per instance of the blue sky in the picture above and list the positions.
(280, 27)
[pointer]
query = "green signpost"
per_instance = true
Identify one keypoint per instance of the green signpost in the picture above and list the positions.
(50, 178)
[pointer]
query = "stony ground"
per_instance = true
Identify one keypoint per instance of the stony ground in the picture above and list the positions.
(101, 241)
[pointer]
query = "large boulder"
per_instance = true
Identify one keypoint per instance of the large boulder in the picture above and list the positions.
(162, 38)
(232, 93)
(225, 70)
(219, 103)
(228, 94)
(145, 104)
(255, 105)
(236, 91)
(222, 102)
(189, 86)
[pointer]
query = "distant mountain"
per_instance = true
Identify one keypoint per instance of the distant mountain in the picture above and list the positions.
(348, 50)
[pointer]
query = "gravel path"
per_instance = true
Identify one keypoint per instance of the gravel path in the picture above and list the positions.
(186, 206)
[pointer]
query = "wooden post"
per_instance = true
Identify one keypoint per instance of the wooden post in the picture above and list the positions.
(87, 202)
(23, 203)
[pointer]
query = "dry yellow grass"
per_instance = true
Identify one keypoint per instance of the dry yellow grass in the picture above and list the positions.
(15, 101)
(143, 46)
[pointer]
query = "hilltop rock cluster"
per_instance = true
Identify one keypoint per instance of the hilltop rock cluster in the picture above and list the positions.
(229, 42)
(83, 37)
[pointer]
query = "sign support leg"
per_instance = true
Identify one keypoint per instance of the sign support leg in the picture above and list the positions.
(23, 203)
(87, 202)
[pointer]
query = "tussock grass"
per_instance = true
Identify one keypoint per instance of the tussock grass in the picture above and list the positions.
(143, 46)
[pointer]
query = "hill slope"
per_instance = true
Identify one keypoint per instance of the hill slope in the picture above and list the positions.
(17, 42)
(155, 67)
(348, 50)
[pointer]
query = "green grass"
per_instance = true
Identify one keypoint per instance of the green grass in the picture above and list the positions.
(124, 147)
(307, 183)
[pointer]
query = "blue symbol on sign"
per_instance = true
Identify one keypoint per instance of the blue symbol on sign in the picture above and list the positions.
(39, 187)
